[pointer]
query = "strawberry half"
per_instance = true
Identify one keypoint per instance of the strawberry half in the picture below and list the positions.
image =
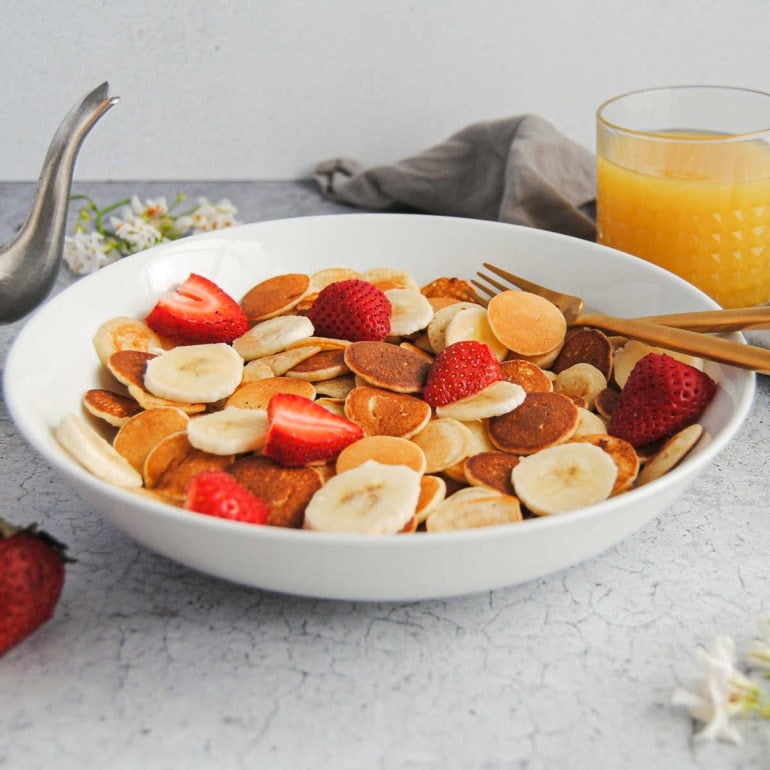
(31, 580)
(459, 371)
(353, 310)
(218, 493)
(301, 432)
(197, 312)
(661, 397)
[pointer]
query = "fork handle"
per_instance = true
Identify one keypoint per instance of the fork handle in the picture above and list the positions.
(684, 341)
(732, 320)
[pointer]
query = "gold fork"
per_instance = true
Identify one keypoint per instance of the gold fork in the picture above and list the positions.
(647, 330)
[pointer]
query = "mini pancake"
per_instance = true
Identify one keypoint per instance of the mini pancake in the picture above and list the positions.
(257, 394)
(388, 450)
(325, 343)
(337, 387)
(623, 455)
(172, 462)
(543, 420)
(390, 278)
(416, 349)
(605, 402)
(323, 278)
(673, 451)
(486, 509)
(432, 492)
(282, 362)
(388, 366)
(124, 333)
(491, 470)
(451, 288)
(382, 412)
(445, 442)
(530, 376)
(321, 365)
(589, 346)
(257, 370)
(526, 323)
(589, 423)
(142, 433)
(286, 491)
(127, 366)
(147, 400)
(276, 295)
(114, 408)
(439, 303)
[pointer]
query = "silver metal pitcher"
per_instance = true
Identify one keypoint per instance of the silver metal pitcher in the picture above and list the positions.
(30, 262)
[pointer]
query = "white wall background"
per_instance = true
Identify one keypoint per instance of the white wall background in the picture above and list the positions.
(244, 89)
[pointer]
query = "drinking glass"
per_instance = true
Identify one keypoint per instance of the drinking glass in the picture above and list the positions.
(683, 180)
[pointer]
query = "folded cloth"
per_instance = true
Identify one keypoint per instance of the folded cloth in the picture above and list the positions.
(519, 170)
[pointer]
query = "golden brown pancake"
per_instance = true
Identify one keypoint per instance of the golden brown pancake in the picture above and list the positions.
(388, 366)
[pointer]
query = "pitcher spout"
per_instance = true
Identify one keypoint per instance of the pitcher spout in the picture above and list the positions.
(30, 262)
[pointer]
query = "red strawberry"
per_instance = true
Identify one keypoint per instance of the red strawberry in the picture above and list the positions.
(197, 312)
(353, 310)
(302, 432)
(460, 370)
(31, 580)
(661, 396)
(218, 493)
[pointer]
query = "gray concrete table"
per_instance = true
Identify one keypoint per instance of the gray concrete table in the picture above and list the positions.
(150, 664)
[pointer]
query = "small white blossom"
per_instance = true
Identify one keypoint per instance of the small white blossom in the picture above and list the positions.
(183, 224)
(758, 653)
(136, 232)
(208, 216)
(86, 253)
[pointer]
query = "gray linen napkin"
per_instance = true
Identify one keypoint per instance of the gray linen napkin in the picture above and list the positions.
(519, 170)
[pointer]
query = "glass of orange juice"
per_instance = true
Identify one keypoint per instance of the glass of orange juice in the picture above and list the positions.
(683, 180)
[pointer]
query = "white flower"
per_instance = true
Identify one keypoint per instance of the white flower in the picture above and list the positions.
(208, 216)
(86, 253)
(758, 653)
(724, 693)
(137, 233)
(183, 224)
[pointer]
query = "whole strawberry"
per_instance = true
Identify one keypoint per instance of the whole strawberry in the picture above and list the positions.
(352, 310)
(661, 396)
(459, 371)
(31, 580)
(197, 312)
(218, 493)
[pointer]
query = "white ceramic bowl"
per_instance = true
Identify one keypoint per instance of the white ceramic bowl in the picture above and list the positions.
(53, 362)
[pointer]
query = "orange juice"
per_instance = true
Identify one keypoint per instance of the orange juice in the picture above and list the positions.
(697, 205)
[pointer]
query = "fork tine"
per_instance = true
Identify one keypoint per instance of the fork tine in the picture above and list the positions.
(522, 283)
(499, 286)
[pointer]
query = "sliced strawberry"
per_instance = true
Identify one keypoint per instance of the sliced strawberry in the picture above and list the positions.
(197, 312)
(661, 396)
(353, 310)
(217, 493)
(302, 432)
(459, 371)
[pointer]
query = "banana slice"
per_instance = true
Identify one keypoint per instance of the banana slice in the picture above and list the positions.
(497, 398)
(441, 320)
(195, 373)
(273, 336)
(564, 477)
(471, 508)
(95, 453)
(411, 311)
(230, 431)
(369, 499)
(472, 323)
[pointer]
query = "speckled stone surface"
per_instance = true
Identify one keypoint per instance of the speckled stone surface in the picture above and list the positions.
(149, 664)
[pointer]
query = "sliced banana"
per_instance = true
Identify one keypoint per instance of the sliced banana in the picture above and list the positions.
(472, 508)
(273, 336)
(497, 398)
(95, 453)
(564, 477)
(471, 323)
(411, 311)
(391, 277)
(369, 499)
(230, 431)
(441, 320)
(195, 373)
